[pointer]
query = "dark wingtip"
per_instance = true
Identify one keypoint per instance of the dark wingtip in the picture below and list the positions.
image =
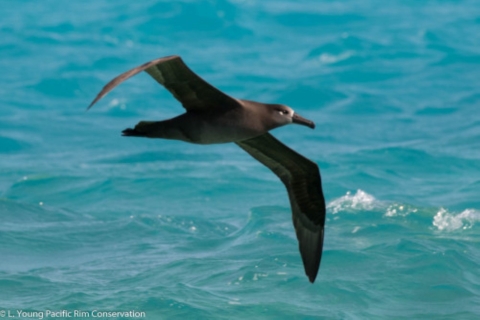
(93, 102)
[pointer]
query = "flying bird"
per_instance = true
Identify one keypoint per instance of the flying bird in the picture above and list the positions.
(213, 117)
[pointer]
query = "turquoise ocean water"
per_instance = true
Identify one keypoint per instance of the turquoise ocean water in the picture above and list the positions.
(94, 221)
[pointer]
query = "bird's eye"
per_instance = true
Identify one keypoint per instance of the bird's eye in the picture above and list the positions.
(284, 111)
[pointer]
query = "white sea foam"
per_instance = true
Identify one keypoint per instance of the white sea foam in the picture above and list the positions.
(447, 221)
(117, 103)
(401, 210)
(358, 201)
(327, 58)
(443, 220)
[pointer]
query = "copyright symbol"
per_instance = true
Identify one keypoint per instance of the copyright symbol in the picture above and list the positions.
(2, 313)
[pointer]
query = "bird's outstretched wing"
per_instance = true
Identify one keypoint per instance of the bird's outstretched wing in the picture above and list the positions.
(193, 92)
(302, 179)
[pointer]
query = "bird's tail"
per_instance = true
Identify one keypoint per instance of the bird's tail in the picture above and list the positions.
(142, 129)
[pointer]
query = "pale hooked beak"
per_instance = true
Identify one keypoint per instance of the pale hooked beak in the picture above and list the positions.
(301, 120)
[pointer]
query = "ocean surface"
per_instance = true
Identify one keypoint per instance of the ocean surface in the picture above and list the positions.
(94, 222)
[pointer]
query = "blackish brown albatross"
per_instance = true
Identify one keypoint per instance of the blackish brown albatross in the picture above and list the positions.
(214, 117)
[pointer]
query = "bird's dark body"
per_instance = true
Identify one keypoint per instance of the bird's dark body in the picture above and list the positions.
(209, 127)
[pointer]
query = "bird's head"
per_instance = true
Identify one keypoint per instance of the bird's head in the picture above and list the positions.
(283, 115)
